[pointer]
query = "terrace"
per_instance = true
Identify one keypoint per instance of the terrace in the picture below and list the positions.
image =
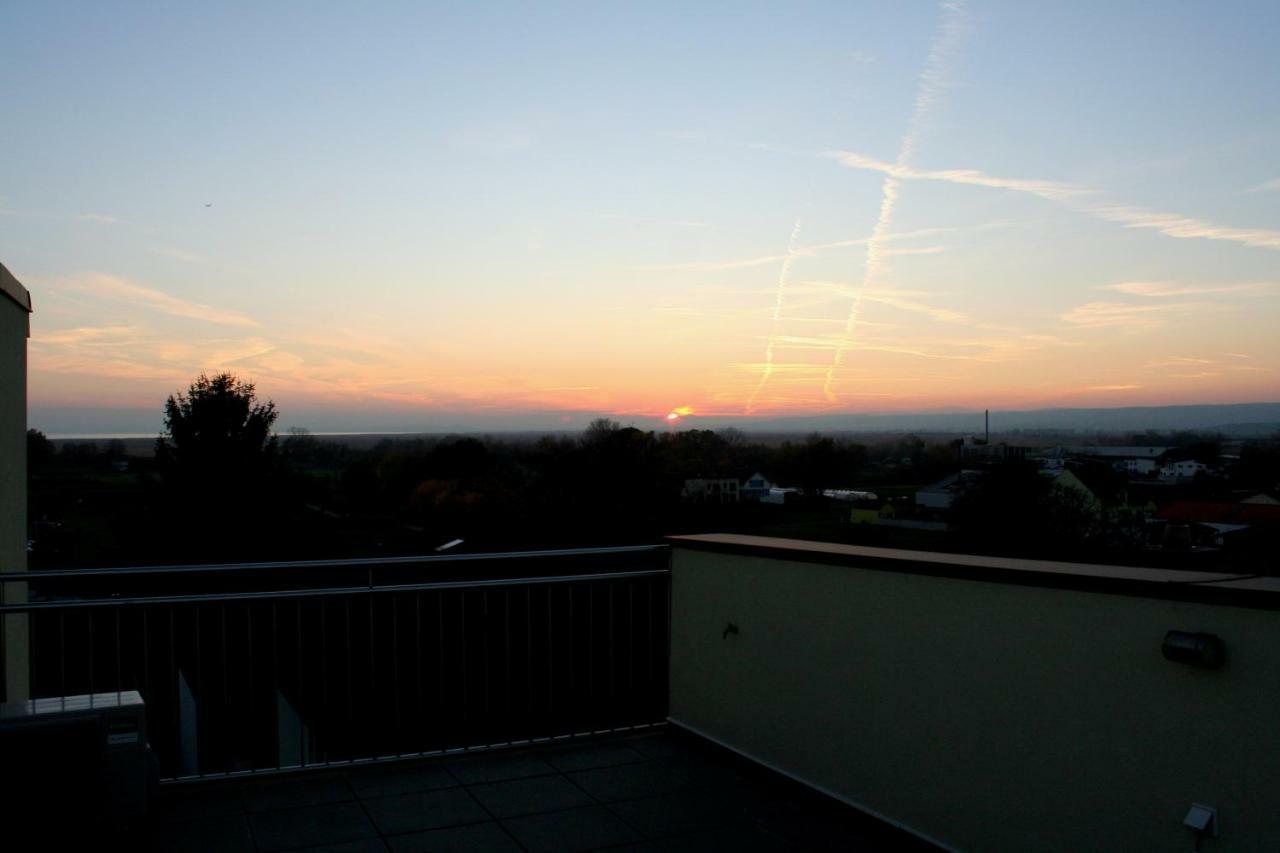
(716, 692)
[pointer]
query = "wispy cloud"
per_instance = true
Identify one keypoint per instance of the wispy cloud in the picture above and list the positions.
(1053, 190)
(180, 255)
(933, 81)
(644, 221)
(1080, 199)
(710, 266)
(903, 300)
(1184, 227)
(1096, 315)
(104, 218)
(1167, 289)
(814, 249)
(1175, 361)
(85, 335)
(115, 287)
(1266, 186)
(784, 274)
(913, 250)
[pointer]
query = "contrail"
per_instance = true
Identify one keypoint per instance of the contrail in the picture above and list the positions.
(932, 83)
(784, 274)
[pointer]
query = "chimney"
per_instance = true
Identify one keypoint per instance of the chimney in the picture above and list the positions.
(987, 415)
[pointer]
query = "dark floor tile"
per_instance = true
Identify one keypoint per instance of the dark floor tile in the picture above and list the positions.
(570, 831)
(475, 838)
(295, 792)
(311, 826)
(212, 834)
(424, 810)
(729, 839)
(814, 825)
(529, 796)
(678, 814)
(496, 768)
(703, 771)
(628, 781)
(399, 779)
(591, 756)
(665, 747)
(184, 802)
(364, 845)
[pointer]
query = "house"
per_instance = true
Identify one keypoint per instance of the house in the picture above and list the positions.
(942, 494)
(1051, 463)
(720, 490)
(1070, 482)
(979, 452)
(755, 488)
(1184, 469)
(1140, 467)
(854, 495)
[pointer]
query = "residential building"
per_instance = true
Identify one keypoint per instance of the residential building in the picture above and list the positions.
(711, 490)
(755, 488)
(1183, 469)
(1141, 467)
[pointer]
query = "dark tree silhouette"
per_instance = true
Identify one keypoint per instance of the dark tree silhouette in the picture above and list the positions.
(40, 450)
(217, 437)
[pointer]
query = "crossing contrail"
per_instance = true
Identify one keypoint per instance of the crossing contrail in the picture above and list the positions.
(784, 274)
(933, 80)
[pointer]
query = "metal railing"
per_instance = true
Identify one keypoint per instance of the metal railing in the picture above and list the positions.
(264, 667)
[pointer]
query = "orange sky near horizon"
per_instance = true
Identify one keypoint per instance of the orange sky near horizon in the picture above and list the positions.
(631, 211)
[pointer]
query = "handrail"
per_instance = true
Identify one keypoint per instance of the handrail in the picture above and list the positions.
(318, 592)
(358, 562)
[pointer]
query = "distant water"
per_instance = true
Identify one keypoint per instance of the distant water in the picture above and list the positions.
(108, 436)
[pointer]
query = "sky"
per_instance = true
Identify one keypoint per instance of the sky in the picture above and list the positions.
(448, 216)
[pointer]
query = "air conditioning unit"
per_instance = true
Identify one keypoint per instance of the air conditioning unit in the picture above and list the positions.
(76, 758)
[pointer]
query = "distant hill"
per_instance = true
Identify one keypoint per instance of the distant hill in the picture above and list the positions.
(1241, 420)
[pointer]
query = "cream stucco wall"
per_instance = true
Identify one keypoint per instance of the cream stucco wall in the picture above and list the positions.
(986, 716)
(13, 471)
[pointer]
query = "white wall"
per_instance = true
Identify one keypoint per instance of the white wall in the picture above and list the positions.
(988, 716)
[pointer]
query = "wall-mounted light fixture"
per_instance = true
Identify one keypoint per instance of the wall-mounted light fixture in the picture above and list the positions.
(1203, 821)
(1202, 650)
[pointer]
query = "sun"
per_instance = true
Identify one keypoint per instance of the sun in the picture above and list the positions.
(677, 413)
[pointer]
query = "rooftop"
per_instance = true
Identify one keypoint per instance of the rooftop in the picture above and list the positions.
(661, 791)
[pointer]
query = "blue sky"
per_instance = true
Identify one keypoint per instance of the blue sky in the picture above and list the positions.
(527, 214)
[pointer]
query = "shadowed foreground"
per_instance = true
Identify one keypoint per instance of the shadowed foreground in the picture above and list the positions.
(662, 791)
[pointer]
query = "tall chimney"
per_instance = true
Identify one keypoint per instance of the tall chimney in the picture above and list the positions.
(987, 415)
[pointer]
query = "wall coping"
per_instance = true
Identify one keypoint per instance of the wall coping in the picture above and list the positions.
(10, 287)
(1237, 590)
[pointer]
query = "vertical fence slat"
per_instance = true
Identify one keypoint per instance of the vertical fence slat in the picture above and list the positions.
(215, 725)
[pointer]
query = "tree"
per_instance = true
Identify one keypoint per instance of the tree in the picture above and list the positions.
(599, 431)
(217, 435)
(40, 450)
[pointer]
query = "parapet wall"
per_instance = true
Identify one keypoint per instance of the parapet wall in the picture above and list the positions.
(986, 704)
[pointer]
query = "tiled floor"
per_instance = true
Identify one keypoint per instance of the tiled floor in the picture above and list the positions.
(664, 791)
